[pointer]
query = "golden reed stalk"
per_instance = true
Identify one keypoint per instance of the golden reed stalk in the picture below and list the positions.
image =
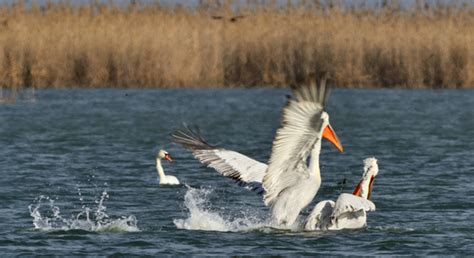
(61, 45)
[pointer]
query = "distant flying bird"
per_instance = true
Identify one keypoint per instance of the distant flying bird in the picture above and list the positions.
(236, 18)
(231, 19)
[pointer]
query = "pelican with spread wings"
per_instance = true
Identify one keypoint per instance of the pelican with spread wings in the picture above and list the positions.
(288, 183)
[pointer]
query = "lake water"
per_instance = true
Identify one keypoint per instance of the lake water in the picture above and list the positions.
(78, 174)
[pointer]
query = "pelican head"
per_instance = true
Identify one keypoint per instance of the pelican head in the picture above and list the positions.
(328, 132)
(364, 188)
(162, 154)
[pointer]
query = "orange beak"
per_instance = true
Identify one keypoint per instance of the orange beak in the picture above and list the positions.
(331, 136)
(370, 187)
(168, 158)
(357, 190)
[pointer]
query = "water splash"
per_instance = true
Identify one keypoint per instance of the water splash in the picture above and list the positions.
(47, 217)
(202, 217)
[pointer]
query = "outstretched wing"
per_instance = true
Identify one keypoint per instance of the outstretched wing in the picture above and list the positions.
(246, 171)
(351, 203)
(301, 124)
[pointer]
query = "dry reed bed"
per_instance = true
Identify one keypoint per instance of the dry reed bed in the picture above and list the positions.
(148, 46)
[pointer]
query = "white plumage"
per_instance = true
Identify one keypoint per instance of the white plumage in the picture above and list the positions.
(350, 210)
(234, 164)
(244, 170)
(289, 184)
(164, 179)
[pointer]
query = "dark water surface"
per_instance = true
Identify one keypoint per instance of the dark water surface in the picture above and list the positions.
(73, 154)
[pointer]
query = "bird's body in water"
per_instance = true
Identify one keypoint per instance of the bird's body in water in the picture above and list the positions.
(350, 210)
(164, 179)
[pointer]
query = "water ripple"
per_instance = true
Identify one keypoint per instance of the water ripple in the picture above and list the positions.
(70, 145)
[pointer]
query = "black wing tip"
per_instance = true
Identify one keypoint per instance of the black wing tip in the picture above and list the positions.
(190, 138)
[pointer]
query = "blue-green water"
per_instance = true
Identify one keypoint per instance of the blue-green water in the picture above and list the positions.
(68, 150)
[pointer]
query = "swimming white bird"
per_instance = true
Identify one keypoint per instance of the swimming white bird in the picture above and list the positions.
(164, 179)
(288, 183)
(350, 210)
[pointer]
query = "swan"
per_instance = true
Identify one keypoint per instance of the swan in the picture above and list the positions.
(287, 183)
(164, 179)
(350, 210)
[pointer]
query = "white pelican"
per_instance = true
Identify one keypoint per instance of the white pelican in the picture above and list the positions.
(350, 210)
(164, 179)
(289, 184)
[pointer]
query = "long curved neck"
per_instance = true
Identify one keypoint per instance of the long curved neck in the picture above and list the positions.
(314, 161)
(160, 170)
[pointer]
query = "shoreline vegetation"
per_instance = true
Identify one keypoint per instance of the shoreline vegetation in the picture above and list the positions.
(227, 45)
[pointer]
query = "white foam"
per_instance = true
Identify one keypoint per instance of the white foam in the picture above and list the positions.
(202, 217)
(88, 219)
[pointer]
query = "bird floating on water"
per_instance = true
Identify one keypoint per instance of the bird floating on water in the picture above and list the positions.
(350, 210)
(164, 179)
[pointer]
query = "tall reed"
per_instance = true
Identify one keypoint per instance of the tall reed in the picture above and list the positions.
(60, 45)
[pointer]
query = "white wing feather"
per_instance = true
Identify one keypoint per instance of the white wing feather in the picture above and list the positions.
(294, 140)
(319, 218)
(351, 203)
(246, 171)
(232, 164)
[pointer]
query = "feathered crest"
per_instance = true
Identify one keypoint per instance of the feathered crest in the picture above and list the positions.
(370, 165)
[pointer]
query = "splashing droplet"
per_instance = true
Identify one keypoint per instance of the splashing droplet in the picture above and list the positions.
(202, 217)
(95, 219)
